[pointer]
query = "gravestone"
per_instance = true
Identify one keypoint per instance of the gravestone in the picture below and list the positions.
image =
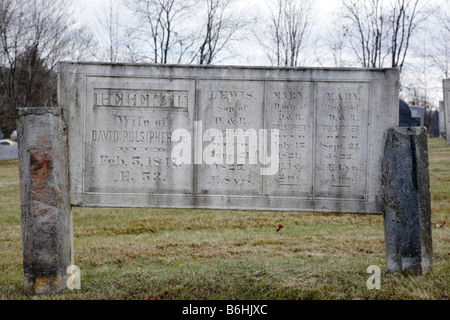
(285, 139)
(405, 117)
(446, 87)
(407, 216)
(13, 135)
(331, 123)
(418, 114)
(8, 152)
(46, 215)
(441, 120)
(435, 117)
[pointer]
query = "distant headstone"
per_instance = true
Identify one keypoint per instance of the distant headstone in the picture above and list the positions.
(446, 87)
(13, 135)
(1, 135)
(436, 130)
(8, 152)
(405, 118)
(418, 114)
(441, 120)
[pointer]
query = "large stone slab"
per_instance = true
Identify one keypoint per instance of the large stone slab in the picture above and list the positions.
(407, 216)
(329, 126)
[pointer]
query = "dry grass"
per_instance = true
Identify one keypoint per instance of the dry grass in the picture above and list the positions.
(223, 254)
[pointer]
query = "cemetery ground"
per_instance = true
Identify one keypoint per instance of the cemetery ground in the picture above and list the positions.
(127, 253)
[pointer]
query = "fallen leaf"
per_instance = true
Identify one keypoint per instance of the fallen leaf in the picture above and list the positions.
(441, 225)
(279, 227)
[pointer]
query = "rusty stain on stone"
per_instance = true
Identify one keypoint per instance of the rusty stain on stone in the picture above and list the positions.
(44, 285)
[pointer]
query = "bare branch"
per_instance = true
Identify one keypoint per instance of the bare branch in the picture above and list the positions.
(286, 35)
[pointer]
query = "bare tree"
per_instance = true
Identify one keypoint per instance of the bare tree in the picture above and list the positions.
(181, 31)
(440, 34)
(336, 42)
(416, 81)
(160, 25)
(221, 27)
(367, 26)
(35, 32)
(287, 31)
(82, 45)
(382, 29)
(13, 28)
(405, 16)
(108, 30)
(34, 35)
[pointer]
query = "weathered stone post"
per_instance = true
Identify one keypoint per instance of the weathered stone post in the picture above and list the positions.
(44, 196)
(406, 188)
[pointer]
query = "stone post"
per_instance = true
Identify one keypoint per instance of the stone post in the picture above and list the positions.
(44, 197)
(406, 189)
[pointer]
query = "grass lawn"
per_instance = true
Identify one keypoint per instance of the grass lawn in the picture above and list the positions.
(224, 254)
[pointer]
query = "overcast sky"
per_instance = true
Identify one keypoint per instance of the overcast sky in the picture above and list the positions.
(89, 10)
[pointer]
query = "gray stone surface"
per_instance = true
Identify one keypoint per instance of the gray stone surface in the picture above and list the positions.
(436, 130)
(446, 87)
(406, 188)
(442, 131)
(13, 135)
(405, 118)
(44, 196)
(418, 113)
(332, 128)
(8, 152)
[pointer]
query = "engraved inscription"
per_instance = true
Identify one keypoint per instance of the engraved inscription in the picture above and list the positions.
(208, 137)
(140, 98)
(231, 108)
(136, 160)
(341, 140)
(290, 109)
(130, 150)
